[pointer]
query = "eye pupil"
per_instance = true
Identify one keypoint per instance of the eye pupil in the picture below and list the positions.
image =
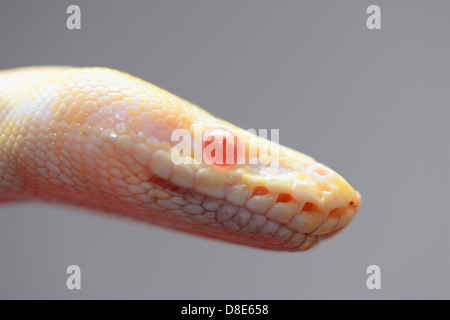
(220, 147)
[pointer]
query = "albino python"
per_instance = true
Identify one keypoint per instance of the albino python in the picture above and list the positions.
(101, 138)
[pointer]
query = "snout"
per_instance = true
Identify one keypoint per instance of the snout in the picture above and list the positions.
(345, 216)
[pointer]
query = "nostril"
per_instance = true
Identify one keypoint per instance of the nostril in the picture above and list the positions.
(355, 202)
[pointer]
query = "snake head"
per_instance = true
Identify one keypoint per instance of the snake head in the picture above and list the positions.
(269, 195)
(107, 140)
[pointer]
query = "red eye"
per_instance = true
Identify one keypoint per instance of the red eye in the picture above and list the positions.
(220, 147)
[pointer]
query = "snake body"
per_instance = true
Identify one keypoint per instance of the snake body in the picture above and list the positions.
(101, 138)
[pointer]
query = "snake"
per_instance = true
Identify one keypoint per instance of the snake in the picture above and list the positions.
(103, 139)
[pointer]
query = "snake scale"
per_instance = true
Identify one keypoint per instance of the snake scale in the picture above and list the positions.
(102, 139)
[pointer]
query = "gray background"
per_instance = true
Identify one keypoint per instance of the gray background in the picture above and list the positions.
(373, 105)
